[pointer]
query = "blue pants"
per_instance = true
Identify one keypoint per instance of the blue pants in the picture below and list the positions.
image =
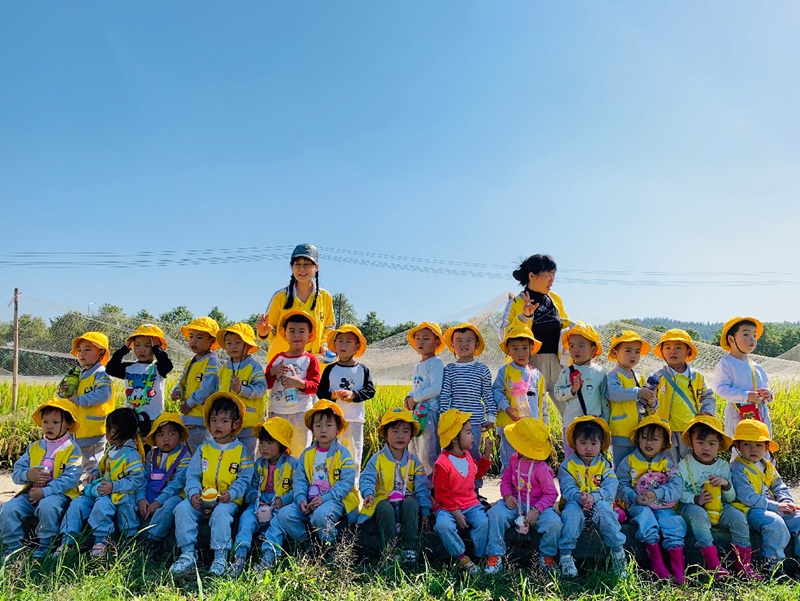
(198, 435)
(273, 539)
(323, 520)
(248, 526)
(475, 451)
(776, 530)
(731, 519)
(49, 512)
(649, 522)
(100, 514)
(501, 518)
(603, 516)
(506, 450)
(160, 524)
(187, 518)
(248, 440)
(620, 452)
(447, 530)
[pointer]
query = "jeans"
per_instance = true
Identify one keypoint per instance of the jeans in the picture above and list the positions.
(101, 517)
(198, 435)
(602, 515)
(323, 519)
(620, 452)
(426, 445)
(731, 519)
(249, 441)
(501, 518)
(91, 454)
(448, 531)
(187, 517)
(248, 526)
(161, 522)
(475, 451)
(650, 521)
(49, 511)
(776, 530)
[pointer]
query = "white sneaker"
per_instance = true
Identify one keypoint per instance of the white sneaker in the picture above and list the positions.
(568, 569)
(619, 563)
(495, 565)
(184, 564)
(409, 556)
(219, 567)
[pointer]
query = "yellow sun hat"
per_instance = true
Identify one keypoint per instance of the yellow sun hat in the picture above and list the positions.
(203, 324)
(244, 331)
(450, 332)
(589, 418)
(627, 336)
(676, 335)
(398, 414)
(529, 437)
(752, 430)
(151, 330)
(654, 420)
(98, 339)
(349, 329)
(450, 424)
(167, 418)
(279, 428)
(519, 332)
(583, 329)
(58, 403)
(723, 335)
(437, 331)
(322, 405)
(223, 395)
(711, 422)
(285, 317)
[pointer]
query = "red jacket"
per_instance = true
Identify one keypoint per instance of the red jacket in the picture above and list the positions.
(451, 490)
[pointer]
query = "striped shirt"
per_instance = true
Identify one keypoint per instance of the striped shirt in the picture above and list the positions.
(468, 387)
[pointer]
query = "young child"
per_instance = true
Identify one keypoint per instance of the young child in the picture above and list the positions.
(467, 385)
(426, 386)
(94, 399)
(144, 378)
(394, 486)
(708, 493)
(243, 376)
(629, 398)
(650, 486)
(581, 386)
(109, 497)
(165, 476)
(681, 393)
(588, 487)
(348, 383)
(455, 500)
(739, 380)
(270, 490)
(762, 495)
(293, 377)
(519, 389)
(199, 378)
(217, 479)
(49, 471)
(529, 493)
(324, 485)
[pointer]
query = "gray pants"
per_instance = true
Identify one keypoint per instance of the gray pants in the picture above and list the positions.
(550, 367)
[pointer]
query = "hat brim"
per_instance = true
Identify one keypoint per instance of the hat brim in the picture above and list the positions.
(436, 332)
(523, 446)
(250, 343)
(274, 432)
(103, 359)
(723, 335)
(210, 402)
(362, 342)
(646, 348)
(598, 345)
(285, 317)
(689, 358)
(414, 427)
(175, 421)
(56, 404)
(449, 435)
(448, 338)
(132, 338)
(308, 418)
(599, 421)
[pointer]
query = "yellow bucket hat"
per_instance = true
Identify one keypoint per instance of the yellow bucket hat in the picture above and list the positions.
(244, 331)
(450, 424)
(203, 324)
(723, 335)
(98, 339)
(449, 332)
(57, 403)
(437, 331)
(322, 405)
(676, 335)
(713, 423)
(654, 420)
(167, 418)
(288, 314)
(151, 330)
(519, 332)
(627, 336)
(223, 395)
(529, 437)
(583, 329)
(752, 430)
(589, 418)
(398, 414)
(279, 428)
(349, 329)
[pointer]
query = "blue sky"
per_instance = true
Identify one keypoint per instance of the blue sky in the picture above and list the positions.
(658, 140)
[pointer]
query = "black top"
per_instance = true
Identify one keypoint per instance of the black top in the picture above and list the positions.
(546, 323)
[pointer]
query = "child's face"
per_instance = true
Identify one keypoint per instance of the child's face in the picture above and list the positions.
(234, 346)
(297, 335)
(425, 342)
(588, 448)
(200, 342)
(465, 437)
(398, 436)
(652, 443)
(465, 344)
(270, 450)
(675, 352)
(705, 450)
(304, 270)
(167, 438)
(53, 424)
(222, 425)
(324, 429)
(143, 348)
(346, 345)
(580, 349)
(628, 354)
(745, 339)
(752, 451)
(519, 349)
(88, 354)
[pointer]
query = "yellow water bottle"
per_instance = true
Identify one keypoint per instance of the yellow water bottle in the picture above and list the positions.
(714, 506)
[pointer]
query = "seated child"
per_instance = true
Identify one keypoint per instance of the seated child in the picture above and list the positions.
(588, 487)
(650, 485)
(49, 470)
(217, 479)
(707, 496)
(394, 486)
(762, 495)
(529, 493)
(165, 476)
(455, 500)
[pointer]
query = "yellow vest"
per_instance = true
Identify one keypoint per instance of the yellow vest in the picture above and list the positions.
(117, 469)
(191, 380)
(322, 313)
(92, 419)
(385, 483)
(281, 478)
(588, 477)
(758, 479)
(60, 460)
(220, 468)
(253, 408)
(624, 414)
(512, 375)
(335, 465)
(639, 467)
(672, 407)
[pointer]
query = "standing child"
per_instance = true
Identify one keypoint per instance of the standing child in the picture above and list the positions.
(650, 486)
(293, 377)
(629, 398)
(348, 383)
(394, 486)
(426, 386)
(144, 378)
(588, 487)
(49, 470)
(454, 498)
(529, 493)
(199, 378)
(467, 385)
(243, 376)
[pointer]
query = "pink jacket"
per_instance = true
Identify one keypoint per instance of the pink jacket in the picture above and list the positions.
(542, 484)
(453, 491)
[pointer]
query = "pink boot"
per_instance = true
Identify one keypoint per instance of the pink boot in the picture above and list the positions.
(677, 564)
(711, 557)
(741, 564)
(656, 561)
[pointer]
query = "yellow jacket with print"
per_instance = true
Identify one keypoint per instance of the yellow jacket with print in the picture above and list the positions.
(341, 475)
(94, 400)
(229, 468)
(66, 468)
(671, 404)
(378, 479)
(123, 468)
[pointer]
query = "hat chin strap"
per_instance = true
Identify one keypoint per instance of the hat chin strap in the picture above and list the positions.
(62, 434)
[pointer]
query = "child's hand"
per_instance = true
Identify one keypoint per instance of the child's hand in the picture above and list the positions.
(409, 403)
(369, 500)
(176, 395)
(303, 505)
(719, 481)
(786, 507)
(63, 388)
(142, 506)
(278, 370)
(529, 307)
(90, 478)
(196, 501)
(426, 523)
(586, 500)
(37, 475)
(765, 394)
(105, 489)
(752, 397)
(35, 494)
(531, 517)
(224, 497)
(152, 508)
(512, 413)
(236, 384)
(314, 503)
(577, 382)
(263, 326)
(703, 498)
(488, 447)
(487, 426)
(293, 382)
(648, 395)
(277, 503)
(346, 395)
(184, 408)
(643, 499)
(461, 521)
(510, 501)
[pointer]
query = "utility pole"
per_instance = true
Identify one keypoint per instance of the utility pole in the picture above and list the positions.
(15, 369)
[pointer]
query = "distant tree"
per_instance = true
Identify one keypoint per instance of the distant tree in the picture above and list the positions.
(110, 314)
(33, 332)
(144, 316)
(178, 316)
(633, 322)
(401, 327)
(694, 334)
(253, 319)
(66, 327)
(658, 328)
(217, 315)
(343, 310)
(373, 328)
